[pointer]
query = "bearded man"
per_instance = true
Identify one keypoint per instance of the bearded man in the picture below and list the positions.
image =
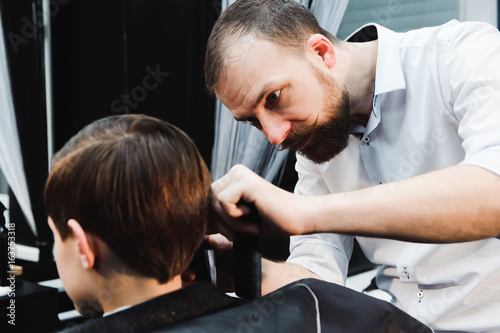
(397, 145)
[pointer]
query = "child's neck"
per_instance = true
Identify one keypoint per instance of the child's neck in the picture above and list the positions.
(125, 290)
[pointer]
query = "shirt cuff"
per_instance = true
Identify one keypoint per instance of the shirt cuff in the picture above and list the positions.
(327, 260)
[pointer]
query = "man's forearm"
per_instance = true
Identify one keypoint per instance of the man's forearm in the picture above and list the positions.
(278, 274)
(456, 204)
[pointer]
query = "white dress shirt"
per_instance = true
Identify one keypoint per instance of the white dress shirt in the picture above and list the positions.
(436, 104)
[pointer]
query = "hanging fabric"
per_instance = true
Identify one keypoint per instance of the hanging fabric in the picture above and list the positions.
(329, 13)
(11, 161)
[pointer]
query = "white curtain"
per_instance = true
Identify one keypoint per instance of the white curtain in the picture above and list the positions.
(11, 161)
(240, 143)
(329, 13)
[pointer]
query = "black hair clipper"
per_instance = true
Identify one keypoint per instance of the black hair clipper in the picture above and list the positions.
(200, 264)
(247, 261)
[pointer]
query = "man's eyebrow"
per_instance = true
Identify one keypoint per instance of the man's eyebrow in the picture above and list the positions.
(263, 93)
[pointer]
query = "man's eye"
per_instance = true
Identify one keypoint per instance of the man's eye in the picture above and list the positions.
(273, 97)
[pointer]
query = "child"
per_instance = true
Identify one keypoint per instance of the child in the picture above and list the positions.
(127, 201)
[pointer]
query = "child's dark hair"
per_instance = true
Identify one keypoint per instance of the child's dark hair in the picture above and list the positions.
(140, 185)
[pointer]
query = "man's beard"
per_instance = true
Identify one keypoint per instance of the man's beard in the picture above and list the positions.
(332, 137)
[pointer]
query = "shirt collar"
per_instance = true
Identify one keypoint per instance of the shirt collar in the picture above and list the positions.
(389, 74)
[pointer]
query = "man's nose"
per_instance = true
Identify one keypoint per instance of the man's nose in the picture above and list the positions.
(275, 129)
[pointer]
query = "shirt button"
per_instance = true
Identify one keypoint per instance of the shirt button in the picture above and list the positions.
(420, 295)
(366, 139)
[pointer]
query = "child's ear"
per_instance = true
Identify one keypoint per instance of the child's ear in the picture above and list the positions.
(88, 251)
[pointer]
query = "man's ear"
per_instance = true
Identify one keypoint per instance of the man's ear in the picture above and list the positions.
(322, 47)
(86, 247)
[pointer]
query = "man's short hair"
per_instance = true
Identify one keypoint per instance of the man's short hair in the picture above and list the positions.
(284, 22)
(140, 185)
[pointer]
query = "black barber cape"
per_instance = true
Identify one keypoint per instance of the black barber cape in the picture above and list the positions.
(307, 305)
(187, 303)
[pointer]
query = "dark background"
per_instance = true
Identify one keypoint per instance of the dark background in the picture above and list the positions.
(108, 57)
(103, 57)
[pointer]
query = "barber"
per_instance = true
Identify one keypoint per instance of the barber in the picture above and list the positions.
(398, 144)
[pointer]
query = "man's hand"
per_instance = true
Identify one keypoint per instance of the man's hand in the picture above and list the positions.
(281, 212)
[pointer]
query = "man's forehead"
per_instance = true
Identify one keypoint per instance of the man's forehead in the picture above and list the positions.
(234, 87)
(251, 68)
(239, 69)
(238, 46)
(244, 58)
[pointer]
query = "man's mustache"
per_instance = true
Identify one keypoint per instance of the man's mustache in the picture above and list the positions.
(297, 135)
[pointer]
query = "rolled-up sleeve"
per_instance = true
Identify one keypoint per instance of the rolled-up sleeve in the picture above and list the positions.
(471, 79)
(323, 254)
(327, 255)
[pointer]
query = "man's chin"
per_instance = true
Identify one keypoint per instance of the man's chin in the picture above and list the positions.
(315, 159)
(321, 156)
